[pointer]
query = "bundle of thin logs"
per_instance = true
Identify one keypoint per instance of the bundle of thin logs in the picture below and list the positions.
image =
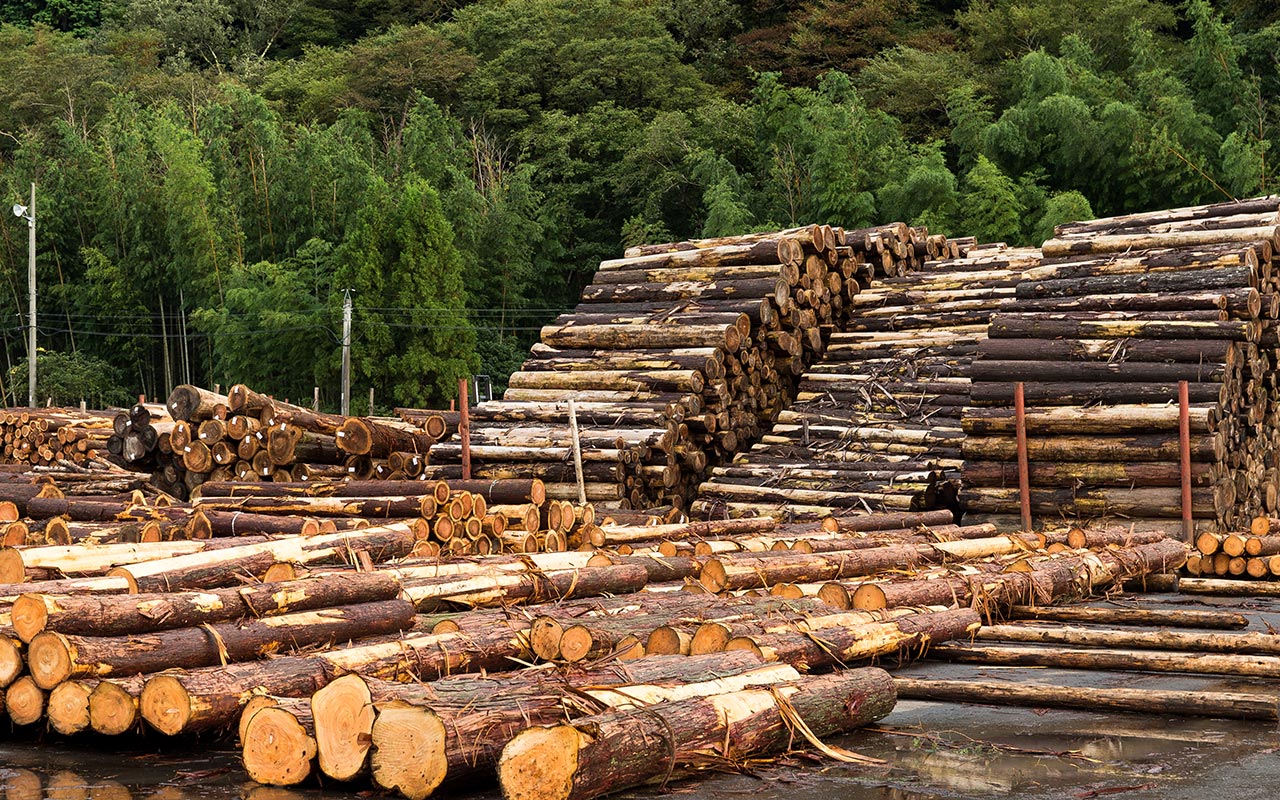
(246, 436)
(1248, 555)
(49, 436)
(679, 356)
(1101, 334)
(876, 425)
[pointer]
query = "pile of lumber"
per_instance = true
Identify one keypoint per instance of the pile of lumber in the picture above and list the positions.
(47, 436)
(340, 664)
(679, 356)
(876, 424)
(1252, 554)
(456, 518)
(246, 436)
(1101, 333)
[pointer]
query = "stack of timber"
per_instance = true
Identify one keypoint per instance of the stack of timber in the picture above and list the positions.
(342, 670)
(246, 436)
(679, 356)
(49, 436)
(1252, 554)
(876, 424)
(1101, 333)
(455, 518)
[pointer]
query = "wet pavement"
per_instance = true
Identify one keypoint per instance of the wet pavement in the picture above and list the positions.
(932, 750)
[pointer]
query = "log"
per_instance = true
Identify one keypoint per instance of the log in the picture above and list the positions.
(122, 615)
(278, 742)
(1103, 659)
(1170, 618)
(55, 657)
(1223, 705)
(1263, 643)
(610, 752)
(189, 403)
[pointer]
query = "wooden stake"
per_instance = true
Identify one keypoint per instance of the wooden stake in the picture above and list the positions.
(1184, 449)
(464, 429)
(1024, 467)
(577, 452)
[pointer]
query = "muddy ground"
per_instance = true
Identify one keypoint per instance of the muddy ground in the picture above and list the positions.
(932, 750)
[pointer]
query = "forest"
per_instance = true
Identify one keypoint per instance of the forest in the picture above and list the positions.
(213, 176)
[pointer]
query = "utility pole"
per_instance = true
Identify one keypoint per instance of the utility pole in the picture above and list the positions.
(346, 352)
(31, 283)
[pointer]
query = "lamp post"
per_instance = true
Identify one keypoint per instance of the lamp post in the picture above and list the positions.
(29, 214)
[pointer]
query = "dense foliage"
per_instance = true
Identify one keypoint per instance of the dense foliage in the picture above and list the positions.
(213, 174)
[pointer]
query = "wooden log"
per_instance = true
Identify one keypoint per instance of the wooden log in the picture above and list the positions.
(1224, 705)
(191, 403)
(212, 697)
(122, 615)
(1036, 326)
(113, 706)
(1104, 659)
(54, 657)
(1229, 588)
(1087, 473)
(1263, 643)
(1111, 420)
(605, 753)
(278, 743)
(1120, 243)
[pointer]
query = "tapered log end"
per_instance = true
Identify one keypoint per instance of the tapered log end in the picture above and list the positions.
(831, 525)
(869, 598)
(112, 709)
(711, 637)
(277, 748)
(836, 596)
(15, 533)
(667, 641)
(576, 644)
(539, 764)
(49, 659)
(12, 567)
(28, 616)
(408, 750)
(744, 643)
(24, 701)
(165, 704)
(343, 713)
(11, 662)
(713, 576)
(68, 709)
(9, 511)
(544, 638)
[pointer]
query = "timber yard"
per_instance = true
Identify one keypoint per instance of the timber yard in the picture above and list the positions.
(870, 513)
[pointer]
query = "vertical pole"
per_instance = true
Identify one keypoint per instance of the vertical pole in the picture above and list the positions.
(346, 354)
(371, 401)
(464, 429)
(315, 398)
(1024, 466)
(31, 299)
(577, 452)
(1184, 451)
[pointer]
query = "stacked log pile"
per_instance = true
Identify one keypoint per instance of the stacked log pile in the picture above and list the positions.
(1246, 555)
(47, 436)
(203, 436)
(679, 356)
(876, 424)
(1120, 311)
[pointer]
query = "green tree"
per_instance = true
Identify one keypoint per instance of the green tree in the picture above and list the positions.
(991, 209)
(1061, 207)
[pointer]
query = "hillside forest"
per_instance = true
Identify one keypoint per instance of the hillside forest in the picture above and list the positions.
(213, 175)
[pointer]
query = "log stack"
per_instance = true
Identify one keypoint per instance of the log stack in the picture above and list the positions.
(876, 424)
(679, 356)
(1119, 312)
(46, 436)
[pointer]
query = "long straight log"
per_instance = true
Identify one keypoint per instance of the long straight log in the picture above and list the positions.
(1170, 618)
(1102, 659)
(609, 752)
(1262, 643)
(1223, 705)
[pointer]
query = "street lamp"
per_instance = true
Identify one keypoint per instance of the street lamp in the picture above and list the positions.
(29, 214)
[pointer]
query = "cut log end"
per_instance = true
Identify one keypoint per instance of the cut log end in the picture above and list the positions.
(68, 709)
(24, 701)
(49, 659)
(343, 713)
(112, 710)
(277, 748)
(11, 661)
(12, 567)
(870, 598)
(28, 616)
(540, 763)
(165, 704)
(408, 750)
